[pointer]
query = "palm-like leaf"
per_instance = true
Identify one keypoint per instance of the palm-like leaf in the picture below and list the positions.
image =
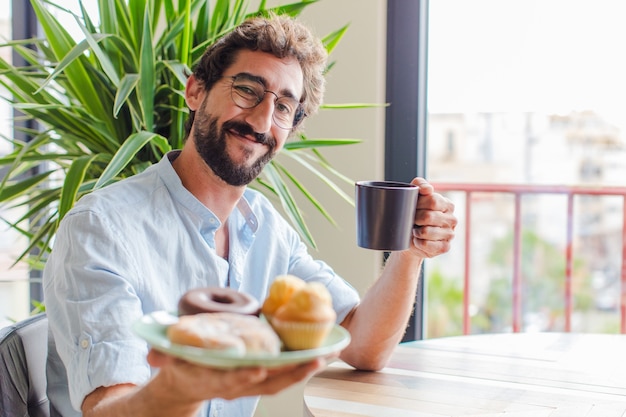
(112, 103)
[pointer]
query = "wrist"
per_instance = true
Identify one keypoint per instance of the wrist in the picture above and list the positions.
(409, 256)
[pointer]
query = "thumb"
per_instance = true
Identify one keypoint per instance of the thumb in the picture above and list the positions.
(425, 187)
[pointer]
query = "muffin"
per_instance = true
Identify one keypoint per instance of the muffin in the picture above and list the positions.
(306, 319)
(281, 290)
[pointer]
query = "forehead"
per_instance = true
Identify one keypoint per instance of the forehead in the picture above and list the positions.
(281, 75)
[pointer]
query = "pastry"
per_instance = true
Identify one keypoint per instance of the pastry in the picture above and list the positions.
(217, 300)
(305, 320)
(280, 292)
(238, 333)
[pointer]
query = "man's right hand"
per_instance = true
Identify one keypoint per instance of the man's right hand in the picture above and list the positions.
(196, 382)
(180, 387)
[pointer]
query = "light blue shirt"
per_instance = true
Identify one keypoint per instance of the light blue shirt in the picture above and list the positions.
(135, 247)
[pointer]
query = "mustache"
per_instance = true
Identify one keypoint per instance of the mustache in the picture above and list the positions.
(245, 129)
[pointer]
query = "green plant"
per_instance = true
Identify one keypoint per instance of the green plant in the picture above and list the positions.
(445, 305)
(543, 280)
(111, 104)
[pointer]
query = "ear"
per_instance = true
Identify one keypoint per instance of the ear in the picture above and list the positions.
(194, 93)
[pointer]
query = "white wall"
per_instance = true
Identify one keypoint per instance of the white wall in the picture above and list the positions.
(358, 76)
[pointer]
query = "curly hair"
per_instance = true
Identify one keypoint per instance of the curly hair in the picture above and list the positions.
(281, 36)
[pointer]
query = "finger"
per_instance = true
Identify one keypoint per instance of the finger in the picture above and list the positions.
(241, 377)
(229, 383)
(425, 187)
(431, 248)
(435, 218)
(435, 202)
(277, 381)
(433, 233)
(438, 202)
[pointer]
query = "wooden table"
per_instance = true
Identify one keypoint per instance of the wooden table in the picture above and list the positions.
(509, 375)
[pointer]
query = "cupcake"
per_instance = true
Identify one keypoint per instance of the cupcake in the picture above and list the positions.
(306, 319)
(280, 292)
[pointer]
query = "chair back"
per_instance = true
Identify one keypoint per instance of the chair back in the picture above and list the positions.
(23, 353)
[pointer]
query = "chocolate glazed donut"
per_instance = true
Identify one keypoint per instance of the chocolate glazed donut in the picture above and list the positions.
(217, 300)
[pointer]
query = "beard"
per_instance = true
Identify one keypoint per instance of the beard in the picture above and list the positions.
(210, 142)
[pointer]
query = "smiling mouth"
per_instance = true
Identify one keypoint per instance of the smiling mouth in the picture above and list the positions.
(245, 137)
(245, 131)
(250, 137)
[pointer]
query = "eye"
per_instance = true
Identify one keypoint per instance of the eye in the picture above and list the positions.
(246, 91)
(284, 107)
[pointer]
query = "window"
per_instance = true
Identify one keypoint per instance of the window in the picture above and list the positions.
(14, 284)
(535, 93)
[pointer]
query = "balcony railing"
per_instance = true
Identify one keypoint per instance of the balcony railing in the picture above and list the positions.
(518, 191)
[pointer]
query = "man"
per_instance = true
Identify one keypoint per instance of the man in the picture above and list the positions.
(190, 221)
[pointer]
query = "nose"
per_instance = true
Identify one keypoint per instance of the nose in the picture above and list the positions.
(260, 116)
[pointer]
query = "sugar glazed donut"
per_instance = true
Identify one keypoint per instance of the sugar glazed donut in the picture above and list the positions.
(217, 300)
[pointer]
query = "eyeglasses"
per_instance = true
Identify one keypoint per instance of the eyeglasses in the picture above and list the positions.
(247, 93)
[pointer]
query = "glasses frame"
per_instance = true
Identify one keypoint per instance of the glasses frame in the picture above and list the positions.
(299, 114)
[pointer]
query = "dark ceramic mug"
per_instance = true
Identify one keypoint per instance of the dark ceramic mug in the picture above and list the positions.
(385, 214)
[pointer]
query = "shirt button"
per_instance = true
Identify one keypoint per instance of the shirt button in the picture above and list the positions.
(212, 220)
(84, 343)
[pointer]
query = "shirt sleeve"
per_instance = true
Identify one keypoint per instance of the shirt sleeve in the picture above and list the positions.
(277, 240)
(345, 297)
(91, 304)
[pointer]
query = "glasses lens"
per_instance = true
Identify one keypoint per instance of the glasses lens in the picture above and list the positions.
(285, 109)
(248, 93)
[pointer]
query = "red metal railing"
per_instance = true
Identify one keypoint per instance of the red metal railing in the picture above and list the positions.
(518, 191)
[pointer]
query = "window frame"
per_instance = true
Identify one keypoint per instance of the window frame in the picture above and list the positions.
(23, 12)
(406, 115)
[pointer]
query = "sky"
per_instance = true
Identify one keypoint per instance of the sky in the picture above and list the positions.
(528, 55)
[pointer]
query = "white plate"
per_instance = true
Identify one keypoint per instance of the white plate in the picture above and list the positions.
(152, 328)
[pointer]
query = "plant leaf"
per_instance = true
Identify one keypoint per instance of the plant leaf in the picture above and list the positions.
(12, 191)
(289, 204)
(146, 69)
(316, 203)
(331, 40)
(73, 180)
(319, 143)
(127, 86)
(124, 155)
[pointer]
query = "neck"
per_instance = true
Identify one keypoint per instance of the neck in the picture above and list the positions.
(220, 197)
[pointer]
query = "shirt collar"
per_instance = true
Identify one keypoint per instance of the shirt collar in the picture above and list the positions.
(180, 193)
